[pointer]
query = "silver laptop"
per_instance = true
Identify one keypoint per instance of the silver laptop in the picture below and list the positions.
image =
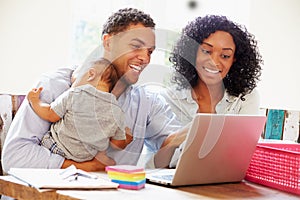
(218, 149)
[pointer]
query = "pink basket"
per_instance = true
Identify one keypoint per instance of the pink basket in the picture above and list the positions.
(277, 166)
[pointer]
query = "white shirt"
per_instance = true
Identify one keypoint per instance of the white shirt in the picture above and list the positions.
(185, 107)
(146, 114)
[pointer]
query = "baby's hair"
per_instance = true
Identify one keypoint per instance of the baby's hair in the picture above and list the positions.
(100, 62)
(108, 73)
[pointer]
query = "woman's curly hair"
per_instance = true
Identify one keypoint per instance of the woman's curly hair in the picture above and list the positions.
(245, 71)
(120, 20)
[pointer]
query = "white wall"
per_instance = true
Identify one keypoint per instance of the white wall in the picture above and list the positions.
(35, 37)
(174, 15)
(276, 24)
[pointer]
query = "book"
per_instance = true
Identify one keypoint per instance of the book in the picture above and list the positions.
(69, 178)
(274, 124)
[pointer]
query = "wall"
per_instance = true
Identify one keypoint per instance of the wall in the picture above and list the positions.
(276, 24)
(35, 37)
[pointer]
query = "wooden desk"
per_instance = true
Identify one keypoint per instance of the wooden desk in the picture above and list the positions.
(9, 186)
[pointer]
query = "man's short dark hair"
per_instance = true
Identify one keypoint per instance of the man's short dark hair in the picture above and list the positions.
(120, 20)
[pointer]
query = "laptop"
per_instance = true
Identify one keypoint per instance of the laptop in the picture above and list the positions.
(218, 149)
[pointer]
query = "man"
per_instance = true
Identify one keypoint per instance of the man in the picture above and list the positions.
(128, 41)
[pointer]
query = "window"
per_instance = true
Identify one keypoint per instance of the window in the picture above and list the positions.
(170, 17)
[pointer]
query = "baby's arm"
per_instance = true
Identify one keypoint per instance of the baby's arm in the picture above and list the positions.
(121, 144)
(43, 110)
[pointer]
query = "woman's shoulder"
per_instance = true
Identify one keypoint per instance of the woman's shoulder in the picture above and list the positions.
(254, 94)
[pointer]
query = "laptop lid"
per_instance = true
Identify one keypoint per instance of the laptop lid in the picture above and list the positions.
(218, 149)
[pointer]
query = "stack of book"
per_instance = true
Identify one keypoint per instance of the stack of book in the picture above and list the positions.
(127, 176)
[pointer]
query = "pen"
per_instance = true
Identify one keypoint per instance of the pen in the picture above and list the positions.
(76, 177)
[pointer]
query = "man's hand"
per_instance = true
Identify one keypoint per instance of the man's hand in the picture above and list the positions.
(129, 136)
(121, 144)
(91, 165)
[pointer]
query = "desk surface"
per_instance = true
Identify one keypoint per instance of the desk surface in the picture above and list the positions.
(9, 186)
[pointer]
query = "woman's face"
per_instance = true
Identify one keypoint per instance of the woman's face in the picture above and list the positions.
(215, 57)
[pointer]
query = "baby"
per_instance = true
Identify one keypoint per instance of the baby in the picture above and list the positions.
(87, 117)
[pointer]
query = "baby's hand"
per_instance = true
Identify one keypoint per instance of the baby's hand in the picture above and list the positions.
(34, 94)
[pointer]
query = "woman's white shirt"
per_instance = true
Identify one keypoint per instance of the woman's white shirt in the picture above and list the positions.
(185, 108)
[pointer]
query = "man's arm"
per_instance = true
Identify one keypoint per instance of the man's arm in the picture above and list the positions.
(164, 155)
(42, 109)
(164, 132)
(22, 144)
(121, 144)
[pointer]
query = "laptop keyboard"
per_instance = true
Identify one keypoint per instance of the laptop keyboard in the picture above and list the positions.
(168, 177)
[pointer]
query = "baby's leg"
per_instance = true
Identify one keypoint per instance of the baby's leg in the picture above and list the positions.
(49, 143)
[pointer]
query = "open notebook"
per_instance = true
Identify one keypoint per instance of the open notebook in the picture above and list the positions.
(218, 149)
(69, 178)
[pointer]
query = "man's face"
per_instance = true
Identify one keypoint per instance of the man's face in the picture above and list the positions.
(130, 51)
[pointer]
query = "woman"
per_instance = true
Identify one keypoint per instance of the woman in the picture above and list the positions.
(217, 66)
